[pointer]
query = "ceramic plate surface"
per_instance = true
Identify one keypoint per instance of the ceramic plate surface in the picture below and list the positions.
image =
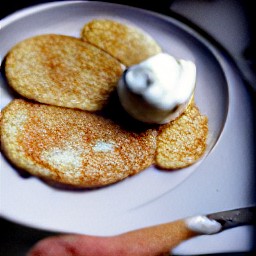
(128, 204)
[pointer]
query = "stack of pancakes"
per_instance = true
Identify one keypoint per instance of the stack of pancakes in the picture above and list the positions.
(59, 129)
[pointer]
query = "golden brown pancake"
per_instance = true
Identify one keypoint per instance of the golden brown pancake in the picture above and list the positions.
(62, 71)
(129, 44)
(73, 147)
(182, 142)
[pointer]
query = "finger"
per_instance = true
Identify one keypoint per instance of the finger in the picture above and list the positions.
(71, 245)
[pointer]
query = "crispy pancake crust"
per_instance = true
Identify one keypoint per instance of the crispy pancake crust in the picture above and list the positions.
(127, 43)
(62, 71)
(183, 141)
(73, 147)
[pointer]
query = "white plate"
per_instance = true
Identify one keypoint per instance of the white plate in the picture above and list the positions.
(128, 204)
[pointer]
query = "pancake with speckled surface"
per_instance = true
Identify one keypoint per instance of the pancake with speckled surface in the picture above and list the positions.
(127, 43)
(183, 141)
(73, 147)
(63, 71)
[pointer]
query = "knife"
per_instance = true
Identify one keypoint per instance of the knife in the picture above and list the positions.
(235, 218)
(216, 222)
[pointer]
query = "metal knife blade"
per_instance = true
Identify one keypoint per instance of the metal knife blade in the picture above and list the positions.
(235, 218)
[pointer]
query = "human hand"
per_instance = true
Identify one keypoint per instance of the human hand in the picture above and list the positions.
(155, 240)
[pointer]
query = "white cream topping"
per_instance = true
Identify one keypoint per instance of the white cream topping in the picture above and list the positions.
(158, 89)
(203, 225)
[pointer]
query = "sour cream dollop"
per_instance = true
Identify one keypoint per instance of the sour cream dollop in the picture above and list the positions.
(203, 225)
(158, 89)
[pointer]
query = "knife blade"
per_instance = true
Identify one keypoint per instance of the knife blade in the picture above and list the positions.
(235, 218)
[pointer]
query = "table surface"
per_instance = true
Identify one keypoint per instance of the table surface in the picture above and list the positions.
(201, 15)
